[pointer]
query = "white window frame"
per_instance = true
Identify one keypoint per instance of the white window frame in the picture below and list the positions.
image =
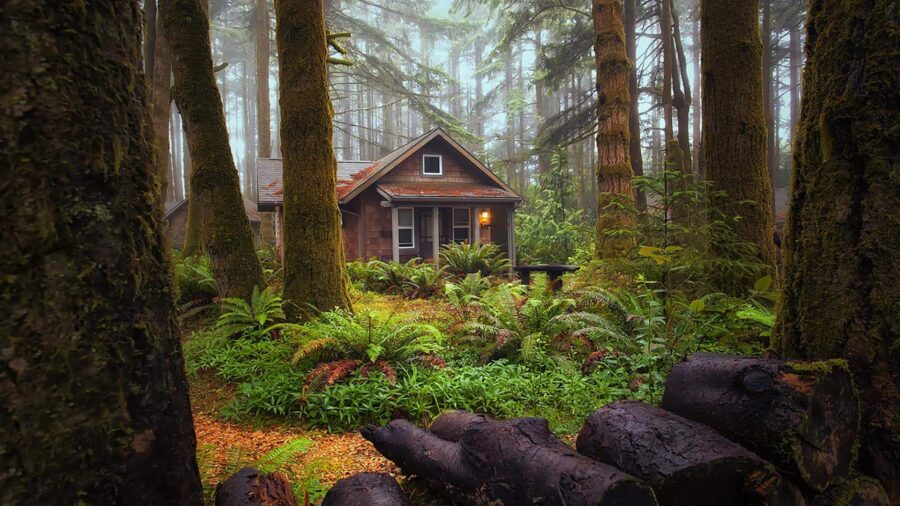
(411, 228)
(440, 171)
(468, 226)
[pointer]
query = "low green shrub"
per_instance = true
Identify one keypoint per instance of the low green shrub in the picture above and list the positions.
(413, 278)
(464, 258)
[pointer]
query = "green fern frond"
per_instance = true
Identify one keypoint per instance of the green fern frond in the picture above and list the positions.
(276, 460)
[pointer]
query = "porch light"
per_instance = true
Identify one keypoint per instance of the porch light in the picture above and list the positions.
(484, 217)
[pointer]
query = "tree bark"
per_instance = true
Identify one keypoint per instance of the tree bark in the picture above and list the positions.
(366, 489)
(249, 487)
(840, 254)
(215, 187)
(263, 116)
(162, 109)
(94, 397)
(510, 463)
(768, 98)
(634, 119)
(613, 136)
(698, 110)
(149, 36)
(796, 61)
(804, 417)
(734, 127)
(314, 278)
(686, 463)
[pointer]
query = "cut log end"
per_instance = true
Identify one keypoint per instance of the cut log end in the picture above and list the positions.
(366, 489)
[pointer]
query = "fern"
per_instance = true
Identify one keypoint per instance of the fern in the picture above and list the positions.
(254, 318)
(276, 460)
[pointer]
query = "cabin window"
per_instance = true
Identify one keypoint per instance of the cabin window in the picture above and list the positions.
(460, 224)
(432, 165)
(406, 228)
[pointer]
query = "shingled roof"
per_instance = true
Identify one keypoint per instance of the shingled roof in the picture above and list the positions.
(355, 176)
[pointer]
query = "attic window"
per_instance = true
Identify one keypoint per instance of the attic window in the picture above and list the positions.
(431, 165)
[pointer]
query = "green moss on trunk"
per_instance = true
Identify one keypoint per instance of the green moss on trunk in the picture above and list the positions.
(215, 188)
(614, 135)
(734, 124)
(94, 398)
(842, 234)
(314, 278)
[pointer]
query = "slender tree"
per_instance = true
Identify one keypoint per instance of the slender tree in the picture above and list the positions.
(263, 116)
(613, 110)
(94, 398)
(314, 278)
(840, 253)
(161, 86)
(634, 118)
(734, 124)
(215, 187)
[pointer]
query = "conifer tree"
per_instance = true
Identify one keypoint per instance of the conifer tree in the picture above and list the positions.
(314, 277)
(840, 253)
(94, 402)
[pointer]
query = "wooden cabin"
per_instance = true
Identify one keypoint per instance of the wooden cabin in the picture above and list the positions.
(176, 220)
(429, 192)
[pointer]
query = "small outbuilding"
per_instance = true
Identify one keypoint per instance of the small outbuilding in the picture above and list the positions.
(428, 192)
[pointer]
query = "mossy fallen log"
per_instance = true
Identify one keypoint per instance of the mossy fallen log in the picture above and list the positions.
(803, 417)
(686, 462)
(507, 463)
(366, 489)
(250, 487)
(858, 490)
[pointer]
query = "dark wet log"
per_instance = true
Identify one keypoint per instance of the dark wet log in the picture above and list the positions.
(686, 462)
(451, 425)
(509, 463)
(859, 490)
(249, 487)
(366, 489)
(802, 416)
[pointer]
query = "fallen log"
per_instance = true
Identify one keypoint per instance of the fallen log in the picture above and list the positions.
(249, 487)
(803, 417)
(859, 490)
(508, 463)
(451, 425)
(366, 489)
(686, 462)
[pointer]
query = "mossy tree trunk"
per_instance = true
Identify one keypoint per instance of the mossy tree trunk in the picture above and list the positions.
(94, 398)
(841, 256)
(161, 87)
(263, 116)
(634, 118)
(734, 124)
(215, 188)
(314, 278)
(613, 136)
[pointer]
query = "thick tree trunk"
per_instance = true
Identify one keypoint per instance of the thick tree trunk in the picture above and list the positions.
(734, 125)
(510, 463)
(215, 187)
(162, 109)
(613, 136)
(804, 417)
(249, 487)
(94, 398)
(840, 253)
(366, 489)
(768, 96)
(314, 278)
(263, 117)
(634, 119)
(149, 36)
(686, 463)
(796, 61)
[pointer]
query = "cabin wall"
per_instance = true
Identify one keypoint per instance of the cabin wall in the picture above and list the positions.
(456, 168)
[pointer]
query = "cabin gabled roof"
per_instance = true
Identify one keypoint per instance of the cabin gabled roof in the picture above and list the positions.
(355, 177)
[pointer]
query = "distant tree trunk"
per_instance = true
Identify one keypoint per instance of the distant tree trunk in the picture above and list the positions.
(94, 395)
(613, 138)
(162, 108)
(634, 118)
(698, 110)
(734, 124)
(796, 61)
(510, 122)
(539, 98)
(682, 96)
(263, 117)
(768, 99)
(668, 64)
(249, 161)
(314, 278)
(215, 188)
(479, 92)
(840, 252)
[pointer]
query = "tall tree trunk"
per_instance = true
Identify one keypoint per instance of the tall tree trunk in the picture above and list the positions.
(162, 108)
(314, 278)
(249, 161)
(768, 102)
(841, 260)
(796, 61)
(93, 389)
(734, 124)
(539, 101)
(149, 36)
(263, 116)
(682, 96)
(613, 137)
(634, 118)
(215, 188)
(698, 111)
(510, 121)
(479, 92)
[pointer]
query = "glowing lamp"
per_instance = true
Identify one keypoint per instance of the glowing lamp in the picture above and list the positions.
(484, 217)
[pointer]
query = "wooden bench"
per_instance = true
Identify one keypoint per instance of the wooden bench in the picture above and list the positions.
(554, 271)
